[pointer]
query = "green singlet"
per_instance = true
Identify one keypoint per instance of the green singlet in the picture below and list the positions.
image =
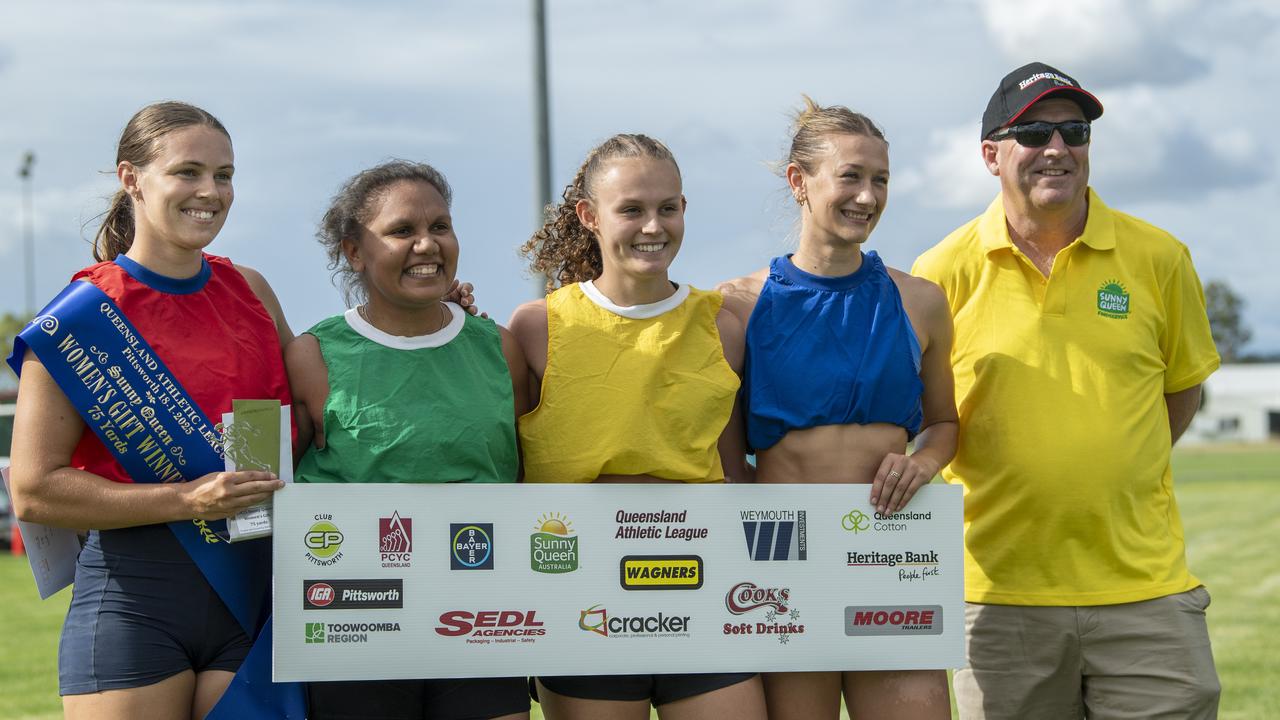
(429, 409)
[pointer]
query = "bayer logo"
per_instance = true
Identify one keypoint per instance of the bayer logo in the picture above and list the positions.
(471, 546)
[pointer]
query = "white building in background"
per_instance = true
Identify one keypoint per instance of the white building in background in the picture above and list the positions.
(1241, 403)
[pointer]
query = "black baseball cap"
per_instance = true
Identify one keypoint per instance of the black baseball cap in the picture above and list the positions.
(1026, 86)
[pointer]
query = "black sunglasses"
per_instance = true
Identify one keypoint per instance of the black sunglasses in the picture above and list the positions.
(1038, 134)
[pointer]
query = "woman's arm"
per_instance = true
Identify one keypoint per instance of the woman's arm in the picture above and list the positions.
(267, 297)
(46, 430)
(309, 385)
(733, 441)
(900, 476)
(529, 327)
(519, 369)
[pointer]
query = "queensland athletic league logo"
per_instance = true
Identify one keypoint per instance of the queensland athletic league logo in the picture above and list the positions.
(553, 547)
(775, 534)
(1113, 300)
(395, 540)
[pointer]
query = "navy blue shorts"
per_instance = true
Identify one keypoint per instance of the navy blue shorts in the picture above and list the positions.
(657, 689)
(141, 611)
(460, 699)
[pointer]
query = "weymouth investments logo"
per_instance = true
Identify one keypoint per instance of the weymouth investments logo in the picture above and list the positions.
(323, 541)
(395, 540)
(553, 547)
(471, 546)
(775, 534)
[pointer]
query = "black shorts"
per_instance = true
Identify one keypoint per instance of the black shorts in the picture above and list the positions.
(454, 699)
(657, 689)
(141, 611)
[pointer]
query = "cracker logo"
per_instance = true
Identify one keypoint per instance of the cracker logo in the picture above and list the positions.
(1113, 300)
(660, 572)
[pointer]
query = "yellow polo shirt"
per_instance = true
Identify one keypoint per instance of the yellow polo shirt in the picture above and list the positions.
(1064, 432)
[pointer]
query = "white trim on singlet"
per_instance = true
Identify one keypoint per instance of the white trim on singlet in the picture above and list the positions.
(438, 338)
(635, 312)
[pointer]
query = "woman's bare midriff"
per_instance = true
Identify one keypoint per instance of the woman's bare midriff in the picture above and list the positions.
(830, 454)
(632, 479)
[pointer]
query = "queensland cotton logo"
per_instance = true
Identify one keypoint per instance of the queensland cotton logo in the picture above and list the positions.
(1113, 300)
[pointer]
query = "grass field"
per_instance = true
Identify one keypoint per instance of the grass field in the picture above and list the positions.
(1230, 499)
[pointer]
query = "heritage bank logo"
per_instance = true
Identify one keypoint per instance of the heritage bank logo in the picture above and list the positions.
(323, 541)
(660, 572)
(553, 548)
(1113, 300)
(775, 534)
(395, 540)
(471, 546)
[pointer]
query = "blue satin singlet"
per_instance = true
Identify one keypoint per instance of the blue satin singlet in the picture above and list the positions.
(829, 351)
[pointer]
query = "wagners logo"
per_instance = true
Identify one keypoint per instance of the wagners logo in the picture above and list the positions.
(352, 594)
(490, 623)
(893, 620)
(395, 540)
(553, 548)
(660, 572)
(471, 546)
(775, 534)
(323, 541)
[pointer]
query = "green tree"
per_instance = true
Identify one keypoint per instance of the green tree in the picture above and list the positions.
(1226, 318)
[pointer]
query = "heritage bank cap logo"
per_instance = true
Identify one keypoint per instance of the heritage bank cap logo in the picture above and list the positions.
(1113, 300)
(553, 548)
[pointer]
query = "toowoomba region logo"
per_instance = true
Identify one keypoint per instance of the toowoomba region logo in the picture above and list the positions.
(1113, 300)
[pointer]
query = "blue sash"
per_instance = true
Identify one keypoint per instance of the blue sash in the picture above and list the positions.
(124, 392)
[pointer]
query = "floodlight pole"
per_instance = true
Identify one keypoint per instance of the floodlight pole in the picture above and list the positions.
(542, 125)
(28, 234)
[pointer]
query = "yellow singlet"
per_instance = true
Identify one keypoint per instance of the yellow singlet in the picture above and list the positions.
(640, 390)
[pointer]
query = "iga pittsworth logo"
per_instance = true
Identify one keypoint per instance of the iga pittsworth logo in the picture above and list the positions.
(911, 566)
(775, 534)
(553, 548)
(470, 546)
(323, 541)
(395, 540)
(856, 521)
(348, 632)
(491, 626)
(596, 619)
(893, 620)
(660, 572)
(747, 597)
(352, 594)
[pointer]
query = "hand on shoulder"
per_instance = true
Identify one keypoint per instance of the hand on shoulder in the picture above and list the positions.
(740, 294)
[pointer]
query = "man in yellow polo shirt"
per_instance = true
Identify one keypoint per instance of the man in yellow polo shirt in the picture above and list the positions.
(1081, 342)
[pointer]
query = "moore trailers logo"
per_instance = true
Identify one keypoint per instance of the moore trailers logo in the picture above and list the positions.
(395, 540)
(893, 620)
(775, 534)
(352, 594)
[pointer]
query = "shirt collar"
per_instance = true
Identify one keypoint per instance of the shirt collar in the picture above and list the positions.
(1099, 227)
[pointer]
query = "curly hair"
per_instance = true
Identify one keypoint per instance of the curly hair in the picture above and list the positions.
(563, 250)
(349, 209)
(139, 145)
(813, 123)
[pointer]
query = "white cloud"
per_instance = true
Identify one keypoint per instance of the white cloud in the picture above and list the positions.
(951, 173)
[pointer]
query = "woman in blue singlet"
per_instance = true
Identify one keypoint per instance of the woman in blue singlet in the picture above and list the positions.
(847, 361)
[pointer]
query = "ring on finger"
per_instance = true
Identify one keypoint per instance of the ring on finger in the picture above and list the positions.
(895, 474)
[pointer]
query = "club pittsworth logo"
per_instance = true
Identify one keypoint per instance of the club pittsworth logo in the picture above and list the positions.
(323, 541)
(485, 627)
(352, 594)
(747, 597)
(470, 546)
(911, 566)
(856, 521)
(553, 547)
(596, 619)
(1113, 300)
(660, 572)
(348, 632)
(395, 540)
(893, 620)
(775, 534)
(657, 525)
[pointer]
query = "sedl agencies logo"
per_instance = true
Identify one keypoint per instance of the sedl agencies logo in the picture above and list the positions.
(323, 541)
(747, 597)
(395, 540)
(660, 572)
(596, 619)
(775, 534)
(471, 546)
(553, 547)
(893, 620)
(485, 627)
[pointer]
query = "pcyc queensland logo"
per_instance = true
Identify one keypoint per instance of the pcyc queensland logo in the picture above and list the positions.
(553, 547)
(471, 546)
(323, 541)
(395, 540)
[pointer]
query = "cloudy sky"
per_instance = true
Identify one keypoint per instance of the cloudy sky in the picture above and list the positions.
(315, 91)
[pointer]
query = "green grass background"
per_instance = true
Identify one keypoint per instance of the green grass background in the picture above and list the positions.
(1230, 502)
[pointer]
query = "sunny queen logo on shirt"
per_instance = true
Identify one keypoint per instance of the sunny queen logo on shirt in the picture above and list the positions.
(1113, 300)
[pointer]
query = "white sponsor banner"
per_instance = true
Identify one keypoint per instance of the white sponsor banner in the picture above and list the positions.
(378, 581)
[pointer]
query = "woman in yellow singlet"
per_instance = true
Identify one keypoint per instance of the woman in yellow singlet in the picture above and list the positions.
(637, 379)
